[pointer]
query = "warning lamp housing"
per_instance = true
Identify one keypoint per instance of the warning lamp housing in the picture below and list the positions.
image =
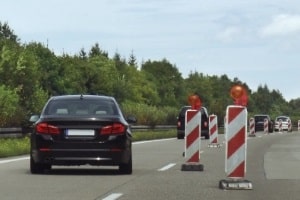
(239, 94)
(195, 102)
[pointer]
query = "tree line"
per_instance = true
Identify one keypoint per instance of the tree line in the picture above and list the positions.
(153, 91)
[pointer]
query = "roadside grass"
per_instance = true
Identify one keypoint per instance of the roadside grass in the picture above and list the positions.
(21, 146)
(152, 135)
(14, 146)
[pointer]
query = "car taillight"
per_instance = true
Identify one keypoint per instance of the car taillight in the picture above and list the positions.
(116, 128)
(205, 124)
(178, 124)
(45, 128)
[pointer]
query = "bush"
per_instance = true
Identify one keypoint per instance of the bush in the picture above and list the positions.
(150, 115)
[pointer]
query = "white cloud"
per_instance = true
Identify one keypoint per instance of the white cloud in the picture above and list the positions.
(229, 34)
(282, 25)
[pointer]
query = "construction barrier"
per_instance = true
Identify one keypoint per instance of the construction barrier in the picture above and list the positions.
(298, 125)
(266, 126)
(213, 131)
(290, 125)
(236, 148)
(280, 126)
(252, 127)
(192, 141)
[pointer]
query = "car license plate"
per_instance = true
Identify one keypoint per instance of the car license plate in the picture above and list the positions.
(80, 132)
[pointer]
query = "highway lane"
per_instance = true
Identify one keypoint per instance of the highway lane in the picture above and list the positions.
(272, 166)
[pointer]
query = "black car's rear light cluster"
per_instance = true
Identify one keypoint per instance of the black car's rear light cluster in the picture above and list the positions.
(114, 129)
(178, 124)
(45, 128)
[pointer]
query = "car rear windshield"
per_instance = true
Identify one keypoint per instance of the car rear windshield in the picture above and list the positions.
(81, 107)
(260, 118)
(284, 119)
(184, 109)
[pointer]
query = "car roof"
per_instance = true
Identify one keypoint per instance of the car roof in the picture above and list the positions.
(81, 96)
(282, 117)
(258, 115)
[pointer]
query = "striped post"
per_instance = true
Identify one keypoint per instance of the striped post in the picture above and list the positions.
(236, 147)
(252, 127)
(298, 125)
(213, 131)
(290, 125)
(236, 142)
(192, 141)
(266, 126)
(280, 126)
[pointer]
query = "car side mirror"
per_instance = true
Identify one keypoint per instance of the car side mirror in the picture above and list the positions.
(34, 118)
(131, 119)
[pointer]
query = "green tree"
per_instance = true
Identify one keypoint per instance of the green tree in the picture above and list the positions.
(96, 51)
(47, 69)
(9, 106)
(132, 60)
(168, 81)
(6, 33)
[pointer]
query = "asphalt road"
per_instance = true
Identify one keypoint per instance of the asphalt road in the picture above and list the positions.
(273, 168)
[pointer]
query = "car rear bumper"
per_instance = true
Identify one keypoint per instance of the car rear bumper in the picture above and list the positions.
(82, 156)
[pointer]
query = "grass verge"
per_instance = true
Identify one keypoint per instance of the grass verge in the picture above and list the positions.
(14, 146)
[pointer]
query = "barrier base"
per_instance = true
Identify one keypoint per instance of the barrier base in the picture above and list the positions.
(192, 167)
(251, 135)
(234, 184)
(215, 145)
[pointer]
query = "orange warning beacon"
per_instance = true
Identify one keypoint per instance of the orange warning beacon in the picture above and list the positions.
(195, 101)
(239, 95)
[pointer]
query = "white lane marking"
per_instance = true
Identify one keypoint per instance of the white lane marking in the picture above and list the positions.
(113, 196)
(149, 141)
(167, 167)
(13, 160)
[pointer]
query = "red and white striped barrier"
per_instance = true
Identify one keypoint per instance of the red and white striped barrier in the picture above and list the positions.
(298, 125)
(280, 126)
(236, 141)
(252, 127)
(266, 126)
(290, 125)
(236, 149)
(192, 141)
(213, 131)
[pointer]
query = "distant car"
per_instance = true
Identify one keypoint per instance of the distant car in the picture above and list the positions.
(79, 130)
(259, 123)
(181, 122)
(285, 123)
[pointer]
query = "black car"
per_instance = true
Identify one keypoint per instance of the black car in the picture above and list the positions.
(259, 122)
(79, 130)
(181, 122)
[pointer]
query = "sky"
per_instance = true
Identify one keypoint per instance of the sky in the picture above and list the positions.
(256, 41)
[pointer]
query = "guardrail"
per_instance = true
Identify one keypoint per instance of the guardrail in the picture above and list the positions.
(11, 132)
(19, 132)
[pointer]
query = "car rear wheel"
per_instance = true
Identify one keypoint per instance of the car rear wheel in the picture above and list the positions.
(38, 168)
(126, 168)
(180, 136)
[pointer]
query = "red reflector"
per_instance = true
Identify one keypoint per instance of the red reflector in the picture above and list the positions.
(45, 128)
(116, 128)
